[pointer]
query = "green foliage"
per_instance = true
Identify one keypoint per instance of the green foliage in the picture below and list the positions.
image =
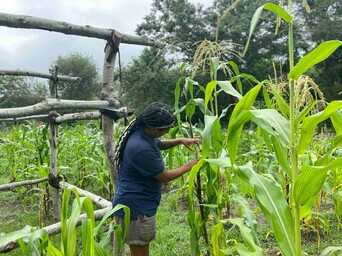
(19, 92)
(78, 65)
(35, 241)
(148, 79)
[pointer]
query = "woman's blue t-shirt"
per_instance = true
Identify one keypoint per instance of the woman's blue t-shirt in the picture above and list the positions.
(137, 188)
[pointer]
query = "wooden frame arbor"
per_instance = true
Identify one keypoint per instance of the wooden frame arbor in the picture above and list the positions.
(47, 108)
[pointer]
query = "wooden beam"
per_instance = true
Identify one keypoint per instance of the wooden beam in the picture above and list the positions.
(6, 72)
(12, 185)
(30, 22)
(58, 104)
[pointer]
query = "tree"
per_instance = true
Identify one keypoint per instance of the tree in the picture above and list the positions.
(324, 24)
(149, 78)
(228, 21)
(19, 92)
(75, 64)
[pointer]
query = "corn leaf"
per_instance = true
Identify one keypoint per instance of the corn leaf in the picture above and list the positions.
(274, 206)
(228, 88)
(276, 124)
(209, 92)
(217, 232)
(310, 123)
(282, 156)
(237, 73)
(271, 7)
(87, 238)
(15, 235)
(317, 55)
(253, 248)
(331, 250)
(239, 117)
(311, 180)
(336, 119)
(207, 134)
(282, 105)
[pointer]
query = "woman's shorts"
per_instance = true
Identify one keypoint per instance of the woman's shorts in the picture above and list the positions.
(141, 231)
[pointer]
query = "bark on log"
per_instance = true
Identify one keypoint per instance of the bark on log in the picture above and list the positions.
(59, 119)
(5, 72)
(97, 200)
(58, 104)
(29, 22)
(12, 185)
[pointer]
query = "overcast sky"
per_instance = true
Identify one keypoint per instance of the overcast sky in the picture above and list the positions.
(35, 50)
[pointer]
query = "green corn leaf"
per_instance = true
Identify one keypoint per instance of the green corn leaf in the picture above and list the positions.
(189, 87)
(310, 123)
(99, 251)
(223, 162)
(52, 250)
(15, 235)
(217, 232)
(304, 113)
(282, 105)
(271, 7)
(311, 180)
(282, 156)
(193, 174)
(216, 135)
(306, 209)
(273, 204)
(37, 242)
(228, 88)
(177, 96)
(234, 133)
(249, 217)
(89, 208)
(271, 121)
(214, 66)
(336, 119)
(253, 248)
(237, 73)
(239, 117)
(331, 250)
(317, 55)
(207, 134)
(209, 92)
(190, 109)
(87, 238)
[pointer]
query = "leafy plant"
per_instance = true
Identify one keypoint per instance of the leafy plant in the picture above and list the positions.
(35, 241)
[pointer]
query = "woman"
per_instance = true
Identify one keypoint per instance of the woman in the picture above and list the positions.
(141, 171)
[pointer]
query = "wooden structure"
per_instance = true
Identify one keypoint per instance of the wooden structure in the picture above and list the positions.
(48, 108)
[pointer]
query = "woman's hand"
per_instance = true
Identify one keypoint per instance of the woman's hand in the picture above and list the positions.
(189, 141)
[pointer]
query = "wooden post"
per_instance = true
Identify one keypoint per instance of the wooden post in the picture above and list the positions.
(112, 48)
(56, 202)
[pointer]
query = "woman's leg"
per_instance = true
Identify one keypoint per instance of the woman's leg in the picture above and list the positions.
(139, 250)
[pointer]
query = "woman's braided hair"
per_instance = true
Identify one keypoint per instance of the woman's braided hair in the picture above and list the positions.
(156, 115)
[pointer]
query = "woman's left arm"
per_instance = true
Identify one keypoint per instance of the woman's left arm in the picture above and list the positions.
(166, 144)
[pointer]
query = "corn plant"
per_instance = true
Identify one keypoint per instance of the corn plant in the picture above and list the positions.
(287, 134)
(33, 241)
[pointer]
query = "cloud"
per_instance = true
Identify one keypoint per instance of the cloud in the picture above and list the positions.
(36, 49)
